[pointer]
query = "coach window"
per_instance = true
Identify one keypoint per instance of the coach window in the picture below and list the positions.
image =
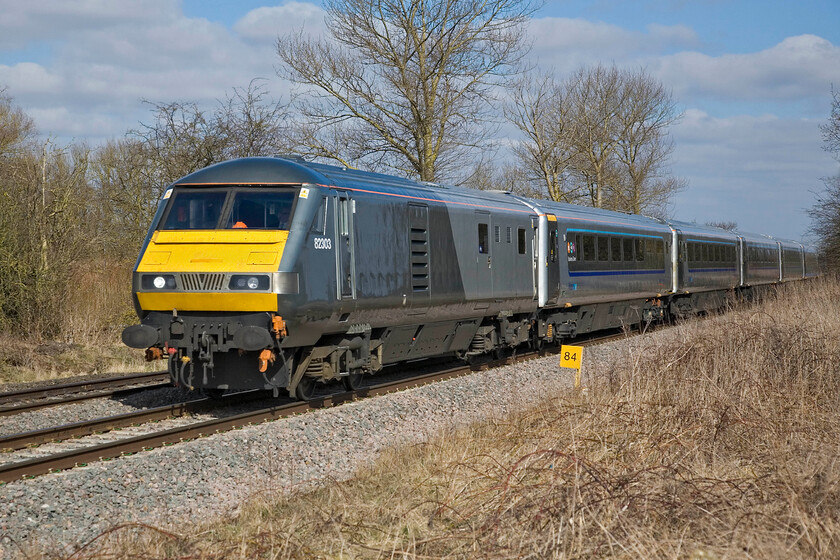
(520, 238)
(615, 249)
(628, 249)
(659, 252)
(588, 247)
(640, 249)
(603, 248)
(482, 239)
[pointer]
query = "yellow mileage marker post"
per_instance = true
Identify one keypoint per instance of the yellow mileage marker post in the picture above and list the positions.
(571, 357)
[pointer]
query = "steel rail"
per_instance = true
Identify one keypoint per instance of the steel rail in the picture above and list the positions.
(23, 440)
(88, 385)
(119, 390)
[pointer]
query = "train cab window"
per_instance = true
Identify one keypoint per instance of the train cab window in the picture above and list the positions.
(588, 246)
(261, 210)
(483, 240)
(319, 222)
(628, 249)
(615, 249)
(521, 240)
(194, 209)
(603, 248)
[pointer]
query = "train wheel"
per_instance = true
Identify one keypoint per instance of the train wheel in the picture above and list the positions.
(305, 388)
(352, 381)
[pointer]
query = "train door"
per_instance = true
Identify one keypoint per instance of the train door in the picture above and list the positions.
(345, 210)
(679, 259)
(484, 256)
(552, 259)
(535, 257)
(418, 218)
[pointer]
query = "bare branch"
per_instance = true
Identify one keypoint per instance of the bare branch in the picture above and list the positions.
(412, 80)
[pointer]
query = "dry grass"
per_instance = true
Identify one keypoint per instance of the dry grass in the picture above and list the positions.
(22, 361)
(718, 440)
(92, 316)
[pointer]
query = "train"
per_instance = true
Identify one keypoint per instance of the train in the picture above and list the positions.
(281, 274)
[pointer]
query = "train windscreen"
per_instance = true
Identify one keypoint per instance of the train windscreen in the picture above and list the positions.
(229, 208)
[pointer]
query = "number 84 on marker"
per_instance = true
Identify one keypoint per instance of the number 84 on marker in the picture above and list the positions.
(570, 356)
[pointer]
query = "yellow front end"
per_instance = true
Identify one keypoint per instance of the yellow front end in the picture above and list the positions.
(205, 254)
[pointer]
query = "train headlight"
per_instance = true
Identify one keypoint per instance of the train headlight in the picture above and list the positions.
(157, 282)
(246, 282)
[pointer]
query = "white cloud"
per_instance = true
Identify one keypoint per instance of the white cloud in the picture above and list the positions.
(115, 59)
(760, 171)
(264, 24)
(24, 22)
(565, 44)
(29, 78)
(799, 66)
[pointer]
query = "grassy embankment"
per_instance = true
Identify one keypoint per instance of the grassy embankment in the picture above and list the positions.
(93, 313)
(717, 440)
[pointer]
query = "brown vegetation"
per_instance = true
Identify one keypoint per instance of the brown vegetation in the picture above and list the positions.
(716, 439)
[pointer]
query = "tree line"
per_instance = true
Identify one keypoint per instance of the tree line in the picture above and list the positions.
(436, 91)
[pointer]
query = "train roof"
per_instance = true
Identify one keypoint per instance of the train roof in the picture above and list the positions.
(294, 170)
(690, 228)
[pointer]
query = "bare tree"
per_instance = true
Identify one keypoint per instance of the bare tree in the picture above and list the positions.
(599, 138)
(249, 123)
(540, 110)
(596, 96)
(825, 214)
(727, 225)
(127, 200)
(831, 129)
(16, 127)
(183, 137)
(405, 85)
(644, 117)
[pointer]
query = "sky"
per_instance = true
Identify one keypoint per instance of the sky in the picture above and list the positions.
(752, 78)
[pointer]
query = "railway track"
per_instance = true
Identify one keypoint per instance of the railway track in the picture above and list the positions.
(28, 400)
(156, 438)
